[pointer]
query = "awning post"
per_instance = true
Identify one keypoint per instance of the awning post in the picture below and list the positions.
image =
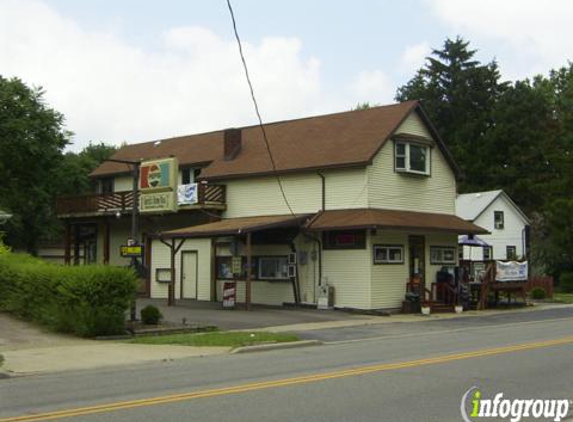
(248, 282)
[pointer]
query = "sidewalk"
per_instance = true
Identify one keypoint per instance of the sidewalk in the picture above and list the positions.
(29, 349)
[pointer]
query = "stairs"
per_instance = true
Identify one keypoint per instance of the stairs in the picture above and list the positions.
(440, 307)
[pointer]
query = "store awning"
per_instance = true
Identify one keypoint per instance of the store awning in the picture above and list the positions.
(237, 226)
(372, 218)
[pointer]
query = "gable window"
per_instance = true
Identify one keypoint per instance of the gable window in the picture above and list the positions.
(412, 158)
(442, 255)
(345, 239)
(510, 252)
(498, 220)
(388, 254)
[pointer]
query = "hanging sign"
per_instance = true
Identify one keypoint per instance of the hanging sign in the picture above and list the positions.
(511, 271)
(236, 265)
(158, 186)
(135, 251)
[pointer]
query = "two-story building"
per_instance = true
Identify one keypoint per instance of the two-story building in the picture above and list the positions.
(507, 224)
(362, 201)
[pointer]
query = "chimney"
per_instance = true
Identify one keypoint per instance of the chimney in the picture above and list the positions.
(232, 146)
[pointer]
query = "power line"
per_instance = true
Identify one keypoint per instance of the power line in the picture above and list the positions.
(257, 106)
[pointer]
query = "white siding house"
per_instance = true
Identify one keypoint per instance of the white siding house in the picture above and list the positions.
(498, 214)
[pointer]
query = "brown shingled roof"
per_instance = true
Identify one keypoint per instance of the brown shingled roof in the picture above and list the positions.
(335, 140)
(372, 218)
(239, 225)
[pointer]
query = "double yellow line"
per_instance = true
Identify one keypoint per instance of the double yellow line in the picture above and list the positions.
(243, 388)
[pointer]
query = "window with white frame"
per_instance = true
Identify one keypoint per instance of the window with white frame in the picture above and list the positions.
(510, 252)
(388, 254)
(442, 255)
(412, 157)
(273, 267)
(498, 220)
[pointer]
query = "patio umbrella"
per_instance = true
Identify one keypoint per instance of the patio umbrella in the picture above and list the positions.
(470, 240)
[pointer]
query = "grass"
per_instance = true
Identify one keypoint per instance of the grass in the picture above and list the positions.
(217, 339)
(563, 297)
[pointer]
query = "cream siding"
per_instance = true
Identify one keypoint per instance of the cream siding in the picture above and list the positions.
(262, 195)
(161, 258)
(391, 190)
(123, 183)
(413, 125)
(349, 272)
(389, 280)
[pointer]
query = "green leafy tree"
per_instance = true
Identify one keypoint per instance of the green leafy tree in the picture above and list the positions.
(75, 168)
(459, 95)
(32, 138)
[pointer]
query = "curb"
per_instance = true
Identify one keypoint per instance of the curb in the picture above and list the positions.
(4, 374)
(276, 346)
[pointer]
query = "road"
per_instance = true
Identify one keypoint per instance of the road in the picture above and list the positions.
(384, 373)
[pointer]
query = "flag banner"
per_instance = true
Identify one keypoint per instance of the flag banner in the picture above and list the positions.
(511, 271)
(188, 194)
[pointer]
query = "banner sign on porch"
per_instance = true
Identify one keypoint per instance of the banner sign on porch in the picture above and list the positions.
(135, 251)
(187, 194)
(229, 294)
(236, 265)
(157, 184)
(511, 271)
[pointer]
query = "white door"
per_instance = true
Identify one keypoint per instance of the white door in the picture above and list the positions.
(189, 275)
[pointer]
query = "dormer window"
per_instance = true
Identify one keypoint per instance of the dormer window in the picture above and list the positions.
(412, 157)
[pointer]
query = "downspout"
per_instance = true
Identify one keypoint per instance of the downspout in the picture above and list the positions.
(323, 190)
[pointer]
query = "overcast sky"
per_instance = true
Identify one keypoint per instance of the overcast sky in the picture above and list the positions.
(139, 70)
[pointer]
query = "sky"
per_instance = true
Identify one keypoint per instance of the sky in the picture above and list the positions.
(139, 70)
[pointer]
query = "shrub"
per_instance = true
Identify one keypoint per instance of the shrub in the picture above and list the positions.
(84, 300)
(537, 293)
(151, 315)
(4, 249)
(566, 282)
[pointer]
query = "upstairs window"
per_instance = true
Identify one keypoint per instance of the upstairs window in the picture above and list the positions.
(510, 252)
(412, 158)
(498, 222)
(186, 176)
(106, 185)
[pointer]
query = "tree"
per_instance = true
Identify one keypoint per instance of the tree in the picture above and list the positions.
(459, 95)
(32, 138)
(75, 168)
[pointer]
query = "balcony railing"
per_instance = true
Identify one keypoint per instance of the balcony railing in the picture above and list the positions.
(107, 203)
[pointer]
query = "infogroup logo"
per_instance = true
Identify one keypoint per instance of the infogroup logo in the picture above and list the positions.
(512, 409)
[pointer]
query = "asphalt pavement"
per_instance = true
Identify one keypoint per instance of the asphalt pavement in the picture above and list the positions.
(406, 376)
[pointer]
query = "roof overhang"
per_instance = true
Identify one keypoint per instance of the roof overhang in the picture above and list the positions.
(236, 226)
(374, 218)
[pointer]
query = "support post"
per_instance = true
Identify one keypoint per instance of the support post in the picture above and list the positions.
(171, 292)
(106, 242)
(68, 245)
(248, 286)
(76, 244)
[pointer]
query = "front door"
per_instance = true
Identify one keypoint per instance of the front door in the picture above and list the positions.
(189, 275)
(417, 248)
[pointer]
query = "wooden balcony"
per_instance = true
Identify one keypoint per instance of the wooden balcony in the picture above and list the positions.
(209, 197)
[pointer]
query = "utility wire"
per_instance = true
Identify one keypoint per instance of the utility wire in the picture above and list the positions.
(257, 106)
